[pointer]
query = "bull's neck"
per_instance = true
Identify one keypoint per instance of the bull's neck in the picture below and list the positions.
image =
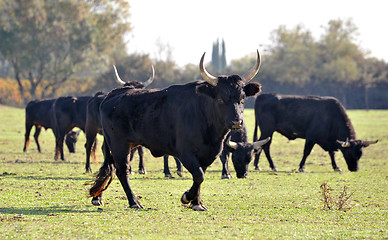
(346, 130)
(216, 123)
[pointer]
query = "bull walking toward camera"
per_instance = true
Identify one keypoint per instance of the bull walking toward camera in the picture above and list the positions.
(319, 120)
(188, 121)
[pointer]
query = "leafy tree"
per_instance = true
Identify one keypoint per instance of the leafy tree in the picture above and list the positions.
(47, 42)
(293, 55)
(340, 57)
(166, 73)
(191, 73)
(372, 71)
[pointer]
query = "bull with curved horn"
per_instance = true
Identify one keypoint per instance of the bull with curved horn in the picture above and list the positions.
(188, 121)
(135, 83)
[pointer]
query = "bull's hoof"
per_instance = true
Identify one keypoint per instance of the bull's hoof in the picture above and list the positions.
(257, 168)
(275, 169)
(302, 170)
(168, 176)
(88, 171)
(180, 173)
(337, 169)
(97, 202)
(199, 207)
(137, 206)
(142, 171)
(226, 176)
(184, 199)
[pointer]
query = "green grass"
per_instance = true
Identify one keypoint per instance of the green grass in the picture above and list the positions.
(41, 198)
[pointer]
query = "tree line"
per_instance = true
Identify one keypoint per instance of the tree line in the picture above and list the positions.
(56, 48)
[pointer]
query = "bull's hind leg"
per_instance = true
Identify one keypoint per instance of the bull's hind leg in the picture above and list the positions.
(193, 194)
(267, 152)
(141, 160)
(90, 143)
(27, 137)
(120, 153)
(104, 177)
(179, 167)
(166, 168)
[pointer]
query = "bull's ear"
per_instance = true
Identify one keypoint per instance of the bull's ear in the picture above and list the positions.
(206, 89)
(252, 89)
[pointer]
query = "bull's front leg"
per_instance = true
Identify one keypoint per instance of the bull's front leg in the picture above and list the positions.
(193, 194)
(225, 168)
(333, 163)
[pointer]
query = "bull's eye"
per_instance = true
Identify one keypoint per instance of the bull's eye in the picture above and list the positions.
(220, 101)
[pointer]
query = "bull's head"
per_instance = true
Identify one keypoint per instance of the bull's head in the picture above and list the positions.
(71, 140)
(352, 151)
(135, 84)
(242, 155)
(229, 93)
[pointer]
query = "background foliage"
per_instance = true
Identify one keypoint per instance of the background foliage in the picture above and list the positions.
(67, 47)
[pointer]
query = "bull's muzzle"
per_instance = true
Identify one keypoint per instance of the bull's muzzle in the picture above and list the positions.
(237, 124)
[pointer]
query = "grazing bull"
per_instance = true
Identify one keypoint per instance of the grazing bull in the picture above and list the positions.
(188, 121)
(93, 123)
(242, 152)
(319, 120)
(39, 114)
(68, 112)
(71, 140)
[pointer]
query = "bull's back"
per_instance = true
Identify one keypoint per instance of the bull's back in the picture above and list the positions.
(38, 112)
(158, 120)
(298, 116)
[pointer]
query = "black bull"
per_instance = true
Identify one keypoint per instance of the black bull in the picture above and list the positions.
(93, 122)
(39, 114)
(242, 152)
(187, 121)
(319, 120)
(68, 112)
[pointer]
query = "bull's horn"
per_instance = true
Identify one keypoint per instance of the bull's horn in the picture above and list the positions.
(231, 144)
(118, 79)
(367, 143)
(149, 81)
(257, 145)
(344, 144)
(252, 73)
(205, 75)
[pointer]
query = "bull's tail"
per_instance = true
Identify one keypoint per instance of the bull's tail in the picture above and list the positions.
(93, 152)
(104, 176)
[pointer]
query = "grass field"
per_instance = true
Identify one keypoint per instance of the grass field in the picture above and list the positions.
(41, 198)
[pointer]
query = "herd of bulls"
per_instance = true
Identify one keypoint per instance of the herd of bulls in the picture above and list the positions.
(195, 122)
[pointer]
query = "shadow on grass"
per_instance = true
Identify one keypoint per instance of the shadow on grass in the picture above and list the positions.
(54, 211)
(40, 178)
(43, 211)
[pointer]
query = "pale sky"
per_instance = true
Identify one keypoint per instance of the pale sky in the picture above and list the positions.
(191, 27)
